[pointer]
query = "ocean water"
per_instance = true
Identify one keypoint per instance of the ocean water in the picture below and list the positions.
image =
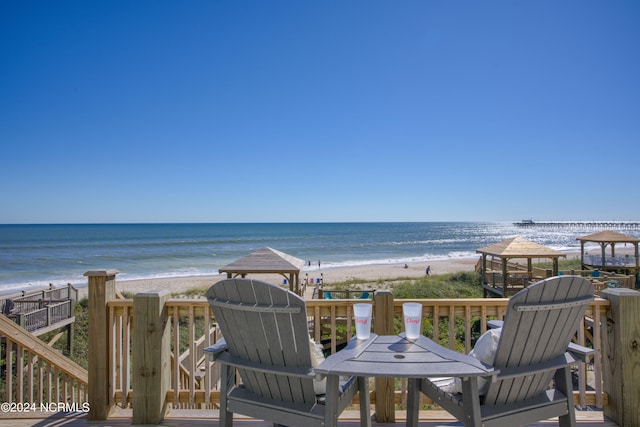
(36, 255)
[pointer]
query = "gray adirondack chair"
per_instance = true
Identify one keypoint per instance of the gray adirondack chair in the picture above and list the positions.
(266, 339)
(532, 351)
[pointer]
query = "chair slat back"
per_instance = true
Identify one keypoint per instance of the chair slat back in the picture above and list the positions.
(539, 323)
(266, 325)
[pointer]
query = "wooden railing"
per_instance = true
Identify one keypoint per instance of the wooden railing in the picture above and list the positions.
(52, 293)
(365, 294)
(194, 379)
(605, 279)
(51, 315)
(622, 262)
(43, 310)
(518, 277)
(37, 375)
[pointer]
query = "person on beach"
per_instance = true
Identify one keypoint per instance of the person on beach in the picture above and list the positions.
(428, 270)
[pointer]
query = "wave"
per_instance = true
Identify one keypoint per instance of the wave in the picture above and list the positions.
(34, 285)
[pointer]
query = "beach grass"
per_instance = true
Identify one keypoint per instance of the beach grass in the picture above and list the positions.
(455, 285)
(195, 292)
(452, 285)
(563, 264)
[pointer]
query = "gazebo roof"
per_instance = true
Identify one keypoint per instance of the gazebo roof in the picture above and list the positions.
(609, 236)
(265, 260)
(518, 247)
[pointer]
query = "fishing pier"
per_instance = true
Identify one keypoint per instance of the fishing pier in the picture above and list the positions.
(581, 225)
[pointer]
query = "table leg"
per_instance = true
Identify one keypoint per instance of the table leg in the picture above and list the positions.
(331, 401)
(471, 402)
(413, 402)
(365, 401)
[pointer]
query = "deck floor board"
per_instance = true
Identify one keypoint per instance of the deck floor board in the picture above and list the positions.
(204, 418)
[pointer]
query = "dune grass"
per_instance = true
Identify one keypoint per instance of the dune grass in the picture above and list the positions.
(454, 285)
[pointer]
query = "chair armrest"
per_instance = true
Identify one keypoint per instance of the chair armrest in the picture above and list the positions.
(299, 372)
(583, 354)
(218, 352)
(216, 349)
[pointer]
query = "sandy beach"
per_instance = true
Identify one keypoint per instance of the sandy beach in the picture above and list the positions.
(329, 275)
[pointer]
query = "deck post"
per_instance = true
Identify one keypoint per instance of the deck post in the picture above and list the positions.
(385, 387)
(21, 320)
(150, 357)
(70, 335)
(621, 356)
(102, 289)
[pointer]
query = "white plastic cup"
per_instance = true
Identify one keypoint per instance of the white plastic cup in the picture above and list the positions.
(412, 313)
(362, 314)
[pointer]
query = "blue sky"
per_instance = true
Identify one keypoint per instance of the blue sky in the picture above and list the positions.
(263, 111)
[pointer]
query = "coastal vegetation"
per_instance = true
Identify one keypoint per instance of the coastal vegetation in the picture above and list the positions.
(563, 264)
(455, 285)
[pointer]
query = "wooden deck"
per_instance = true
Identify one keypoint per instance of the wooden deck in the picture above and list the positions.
(199, 418)
(115, 376)
(41, 311)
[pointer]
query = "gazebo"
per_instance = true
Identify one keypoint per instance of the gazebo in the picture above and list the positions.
(501, 277)
(267, 260)
(611, 262)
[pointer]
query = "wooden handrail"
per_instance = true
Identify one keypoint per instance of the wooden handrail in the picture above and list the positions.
(19, 336)
(330, 322)
(36, 374)
(193, 378)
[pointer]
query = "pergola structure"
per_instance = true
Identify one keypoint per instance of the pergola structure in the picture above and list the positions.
(512, 277)
(611, 262)
(269, 261)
